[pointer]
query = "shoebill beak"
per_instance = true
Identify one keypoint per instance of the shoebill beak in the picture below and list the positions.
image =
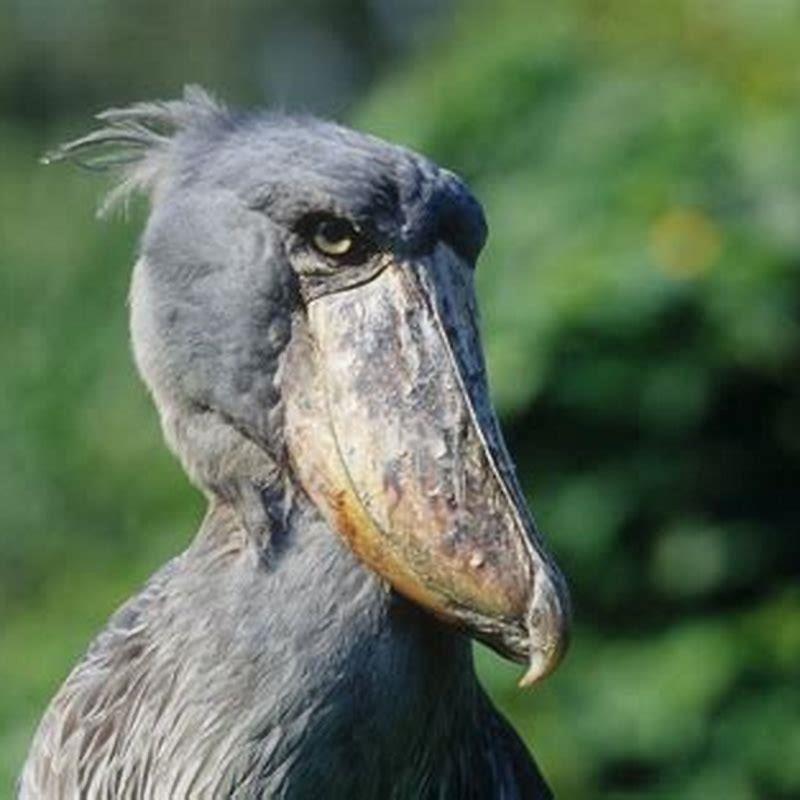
(399, 446)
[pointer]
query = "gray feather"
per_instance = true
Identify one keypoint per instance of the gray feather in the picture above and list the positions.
(265, 661)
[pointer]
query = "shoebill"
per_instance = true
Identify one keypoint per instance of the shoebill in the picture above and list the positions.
(303, 314)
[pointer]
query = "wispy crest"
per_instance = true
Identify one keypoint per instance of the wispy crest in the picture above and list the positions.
(136, 141)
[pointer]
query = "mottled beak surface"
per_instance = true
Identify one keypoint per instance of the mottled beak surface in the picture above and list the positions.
(399, 446)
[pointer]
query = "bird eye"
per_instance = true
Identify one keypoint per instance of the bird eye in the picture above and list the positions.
(334, 236)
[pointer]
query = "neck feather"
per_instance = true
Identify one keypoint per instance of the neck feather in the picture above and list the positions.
(322, 638)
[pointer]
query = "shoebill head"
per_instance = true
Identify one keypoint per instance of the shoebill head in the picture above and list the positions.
(303, 310)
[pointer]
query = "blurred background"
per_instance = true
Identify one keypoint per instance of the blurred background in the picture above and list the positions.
(639, 164)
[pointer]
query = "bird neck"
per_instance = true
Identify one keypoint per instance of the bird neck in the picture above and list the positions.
(326, 639)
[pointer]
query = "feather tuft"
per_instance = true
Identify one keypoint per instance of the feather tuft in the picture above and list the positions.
(136, 142)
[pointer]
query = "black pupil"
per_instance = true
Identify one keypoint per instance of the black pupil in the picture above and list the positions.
(334, 230)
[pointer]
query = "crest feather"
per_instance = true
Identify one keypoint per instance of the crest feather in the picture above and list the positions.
(136, 141)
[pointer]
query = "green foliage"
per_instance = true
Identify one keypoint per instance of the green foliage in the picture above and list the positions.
(640, 302)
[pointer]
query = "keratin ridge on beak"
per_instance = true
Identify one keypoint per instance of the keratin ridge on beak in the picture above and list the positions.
(412, 470)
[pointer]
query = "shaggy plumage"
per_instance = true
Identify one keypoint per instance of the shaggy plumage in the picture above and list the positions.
(265, 661)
